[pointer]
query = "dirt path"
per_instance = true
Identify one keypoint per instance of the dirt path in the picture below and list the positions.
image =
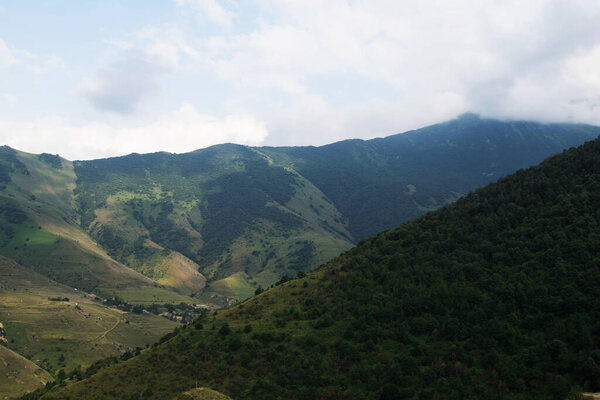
(108, 331)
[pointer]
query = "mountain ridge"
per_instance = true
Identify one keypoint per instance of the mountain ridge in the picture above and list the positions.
(281, 209)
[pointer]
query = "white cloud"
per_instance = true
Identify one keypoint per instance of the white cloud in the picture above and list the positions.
(211, 10)
(121, 86)
(313, 121)
(183, 130)
(315, 71)
(484, 53)
(16, 58)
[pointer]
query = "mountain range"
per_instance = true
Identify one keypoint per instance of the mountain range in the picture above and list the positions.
(215, 226)
(495, 296)
(221, 221)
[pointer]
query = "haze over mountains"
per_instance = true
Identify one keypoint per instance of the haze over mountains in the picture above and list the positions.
(213, 225)
(493, 297)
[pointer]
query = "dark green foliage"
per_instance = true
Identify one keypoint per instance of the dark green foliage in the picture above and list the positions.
(496, 296)
(368, 180)
(155, 216)
(61, 375)
(10, 163)
(301, 258)
(11, 212)
(53, 160)
(224, 330)
(241, 199)
(11, 216)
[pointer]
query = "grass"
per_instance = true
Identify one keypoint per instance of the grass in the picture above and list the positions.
(80, 330)
(181, 274)
(18, 375)
(235, 286)
(148, 295)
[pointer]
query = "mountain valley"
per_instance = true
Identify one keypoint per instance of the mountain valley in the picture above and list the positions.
(127, 238)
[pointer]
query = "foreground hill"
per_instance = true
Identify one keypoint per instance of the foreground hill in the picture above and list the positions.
(495, 296)
(246, 216)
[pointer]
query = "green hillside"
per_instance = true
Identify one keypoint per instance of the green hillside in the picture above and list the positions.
(39, 228)
(228, 209)
(496, 296)
(244, 217)
(18, 375)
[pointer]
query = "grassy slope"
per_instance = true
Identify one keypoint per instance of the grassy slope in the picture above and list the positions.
(256, 215)
(18, 375)
(51, 241)
(42, 330)
(495, 296)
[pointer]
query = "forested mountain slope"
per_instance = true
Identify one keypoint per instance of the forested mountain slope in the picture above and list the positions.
(380, 183)
(245, 216)
(496, 296)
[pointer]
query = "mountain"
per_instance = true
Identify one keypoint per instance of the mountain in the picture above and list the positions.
(495, 296)
(246, 216)
(380, 183)
(39, 228)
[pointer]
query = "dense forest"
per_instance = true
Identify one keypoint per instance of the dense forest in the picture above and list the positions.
(496, 296)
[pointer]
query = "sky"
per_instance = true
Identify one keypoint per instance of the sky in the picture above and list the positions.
(91, 79)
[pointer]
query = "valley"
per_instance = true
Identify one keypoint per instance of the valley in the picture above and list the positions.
(493, 296)
(136, 243)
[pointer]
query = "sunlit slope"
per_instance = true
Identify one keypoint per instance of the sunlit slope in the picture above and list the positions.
(58, 327)
(39, 227)
(494, 296)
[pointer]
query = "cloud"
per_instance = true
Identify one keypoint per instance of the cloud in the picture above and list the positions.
(182, 130)
(314, 121)
(316, 71)
(210, 10)
(122, 85)
(16, 58)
